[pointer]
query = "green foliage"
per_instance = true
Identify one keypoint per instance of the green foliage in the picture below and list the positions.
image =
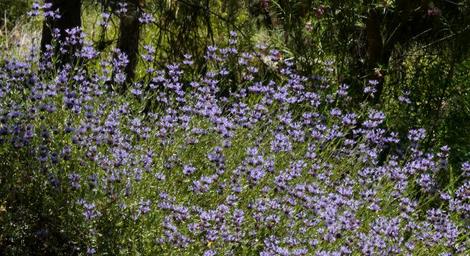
(423, 55)
(11, 10)
(438, 91)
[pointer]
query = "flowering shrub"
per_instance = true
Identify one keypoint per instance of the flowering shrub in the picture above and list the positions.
(222, 162)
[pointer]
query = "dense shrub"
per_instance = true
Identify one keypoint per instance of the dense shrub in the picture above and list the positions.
(243, 157)
(275, 165)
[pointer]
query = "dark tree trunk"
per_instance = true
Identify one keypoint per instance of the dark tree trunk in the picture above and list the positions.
(374, 38)
(70, 17)
(129, 33)
(409, 21)
(376, 54)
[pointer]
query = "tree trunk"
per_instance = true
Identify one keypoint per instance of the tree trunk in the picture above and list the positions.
(70, 17)
(129, 33)
(375, 51)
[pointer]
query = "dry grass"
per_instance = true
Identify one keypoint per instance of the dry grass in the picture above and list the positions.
(21, 38)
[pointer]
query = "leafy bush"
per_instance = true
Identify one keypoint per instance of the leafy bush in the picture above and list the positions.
(273, 166)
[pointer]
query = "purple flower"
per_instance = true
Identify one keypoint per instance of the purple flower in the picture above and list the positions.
(146, 18)
(466, 169)
(144, 206)
(371, 88)
(122, 8)
(281, 143)
(91, 251)
(416, 135)
(188, 170)
(74, 180)
(90, 211)
(88, 52)
(209, 253)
